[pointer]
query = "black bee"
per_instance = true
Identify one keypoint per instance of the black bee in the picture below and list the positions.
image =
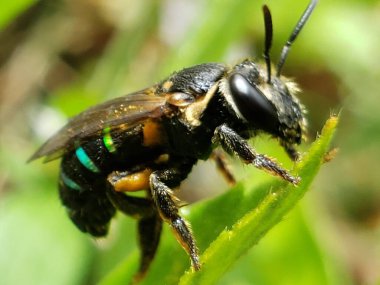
(150, 140)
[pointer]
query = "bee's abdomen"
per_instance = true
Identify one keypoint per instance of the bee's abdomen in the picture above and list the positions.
(91, 211)
(97, 157)
(84, 171)
(82, 189)
(82, 184)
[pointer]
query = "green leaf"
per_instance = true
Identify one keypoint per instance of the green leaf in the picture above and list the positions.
(228, 226)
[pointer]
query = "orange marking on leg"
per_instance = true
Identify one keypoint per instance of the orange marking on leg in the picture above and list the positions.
(133, 182)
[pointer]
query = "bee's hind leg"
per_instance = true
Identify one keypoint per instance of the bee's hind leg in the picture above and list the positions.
(149, 225)
(149, 237)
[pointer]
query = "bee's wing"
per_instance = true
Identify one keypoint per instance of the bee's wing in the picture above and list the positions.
(124, 112)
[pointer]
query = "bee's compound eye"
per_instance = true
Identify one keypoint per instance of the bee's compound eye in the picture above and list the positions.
(252, 104)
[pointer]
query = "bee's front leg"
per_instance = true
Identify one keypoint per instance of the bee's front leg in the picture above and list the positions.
(167, 205)
(233, 143)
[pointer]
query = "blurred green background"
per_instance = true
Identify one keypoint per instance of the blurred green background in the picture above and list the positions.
(59, 57)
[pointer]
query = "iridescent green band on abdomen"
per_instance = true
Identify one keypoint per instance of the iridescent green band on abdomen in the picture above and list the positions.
(107, 140)
(85, 160)
(69, 183)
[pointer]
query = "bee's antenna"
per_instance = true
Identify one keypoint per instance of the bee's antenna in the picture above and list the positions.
(293, 36)
(268, 39)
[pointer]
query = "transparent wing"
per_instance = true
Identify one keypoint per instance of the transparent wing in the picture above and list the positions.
(126, 112)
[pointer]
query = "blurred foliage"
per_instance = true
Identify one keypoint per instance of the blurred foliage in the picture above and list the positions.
(10, 10)
(59, 57)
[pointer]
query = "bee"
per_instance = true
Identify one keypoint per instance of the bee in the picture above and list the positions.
(150, 140)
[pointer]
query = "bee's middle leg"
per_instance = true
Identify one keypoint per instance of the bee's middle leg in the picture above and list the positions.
(167, 205)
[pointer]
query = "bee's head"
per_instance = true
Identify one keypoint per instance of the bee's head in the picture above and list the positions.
(270, 107)
(268, 102)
